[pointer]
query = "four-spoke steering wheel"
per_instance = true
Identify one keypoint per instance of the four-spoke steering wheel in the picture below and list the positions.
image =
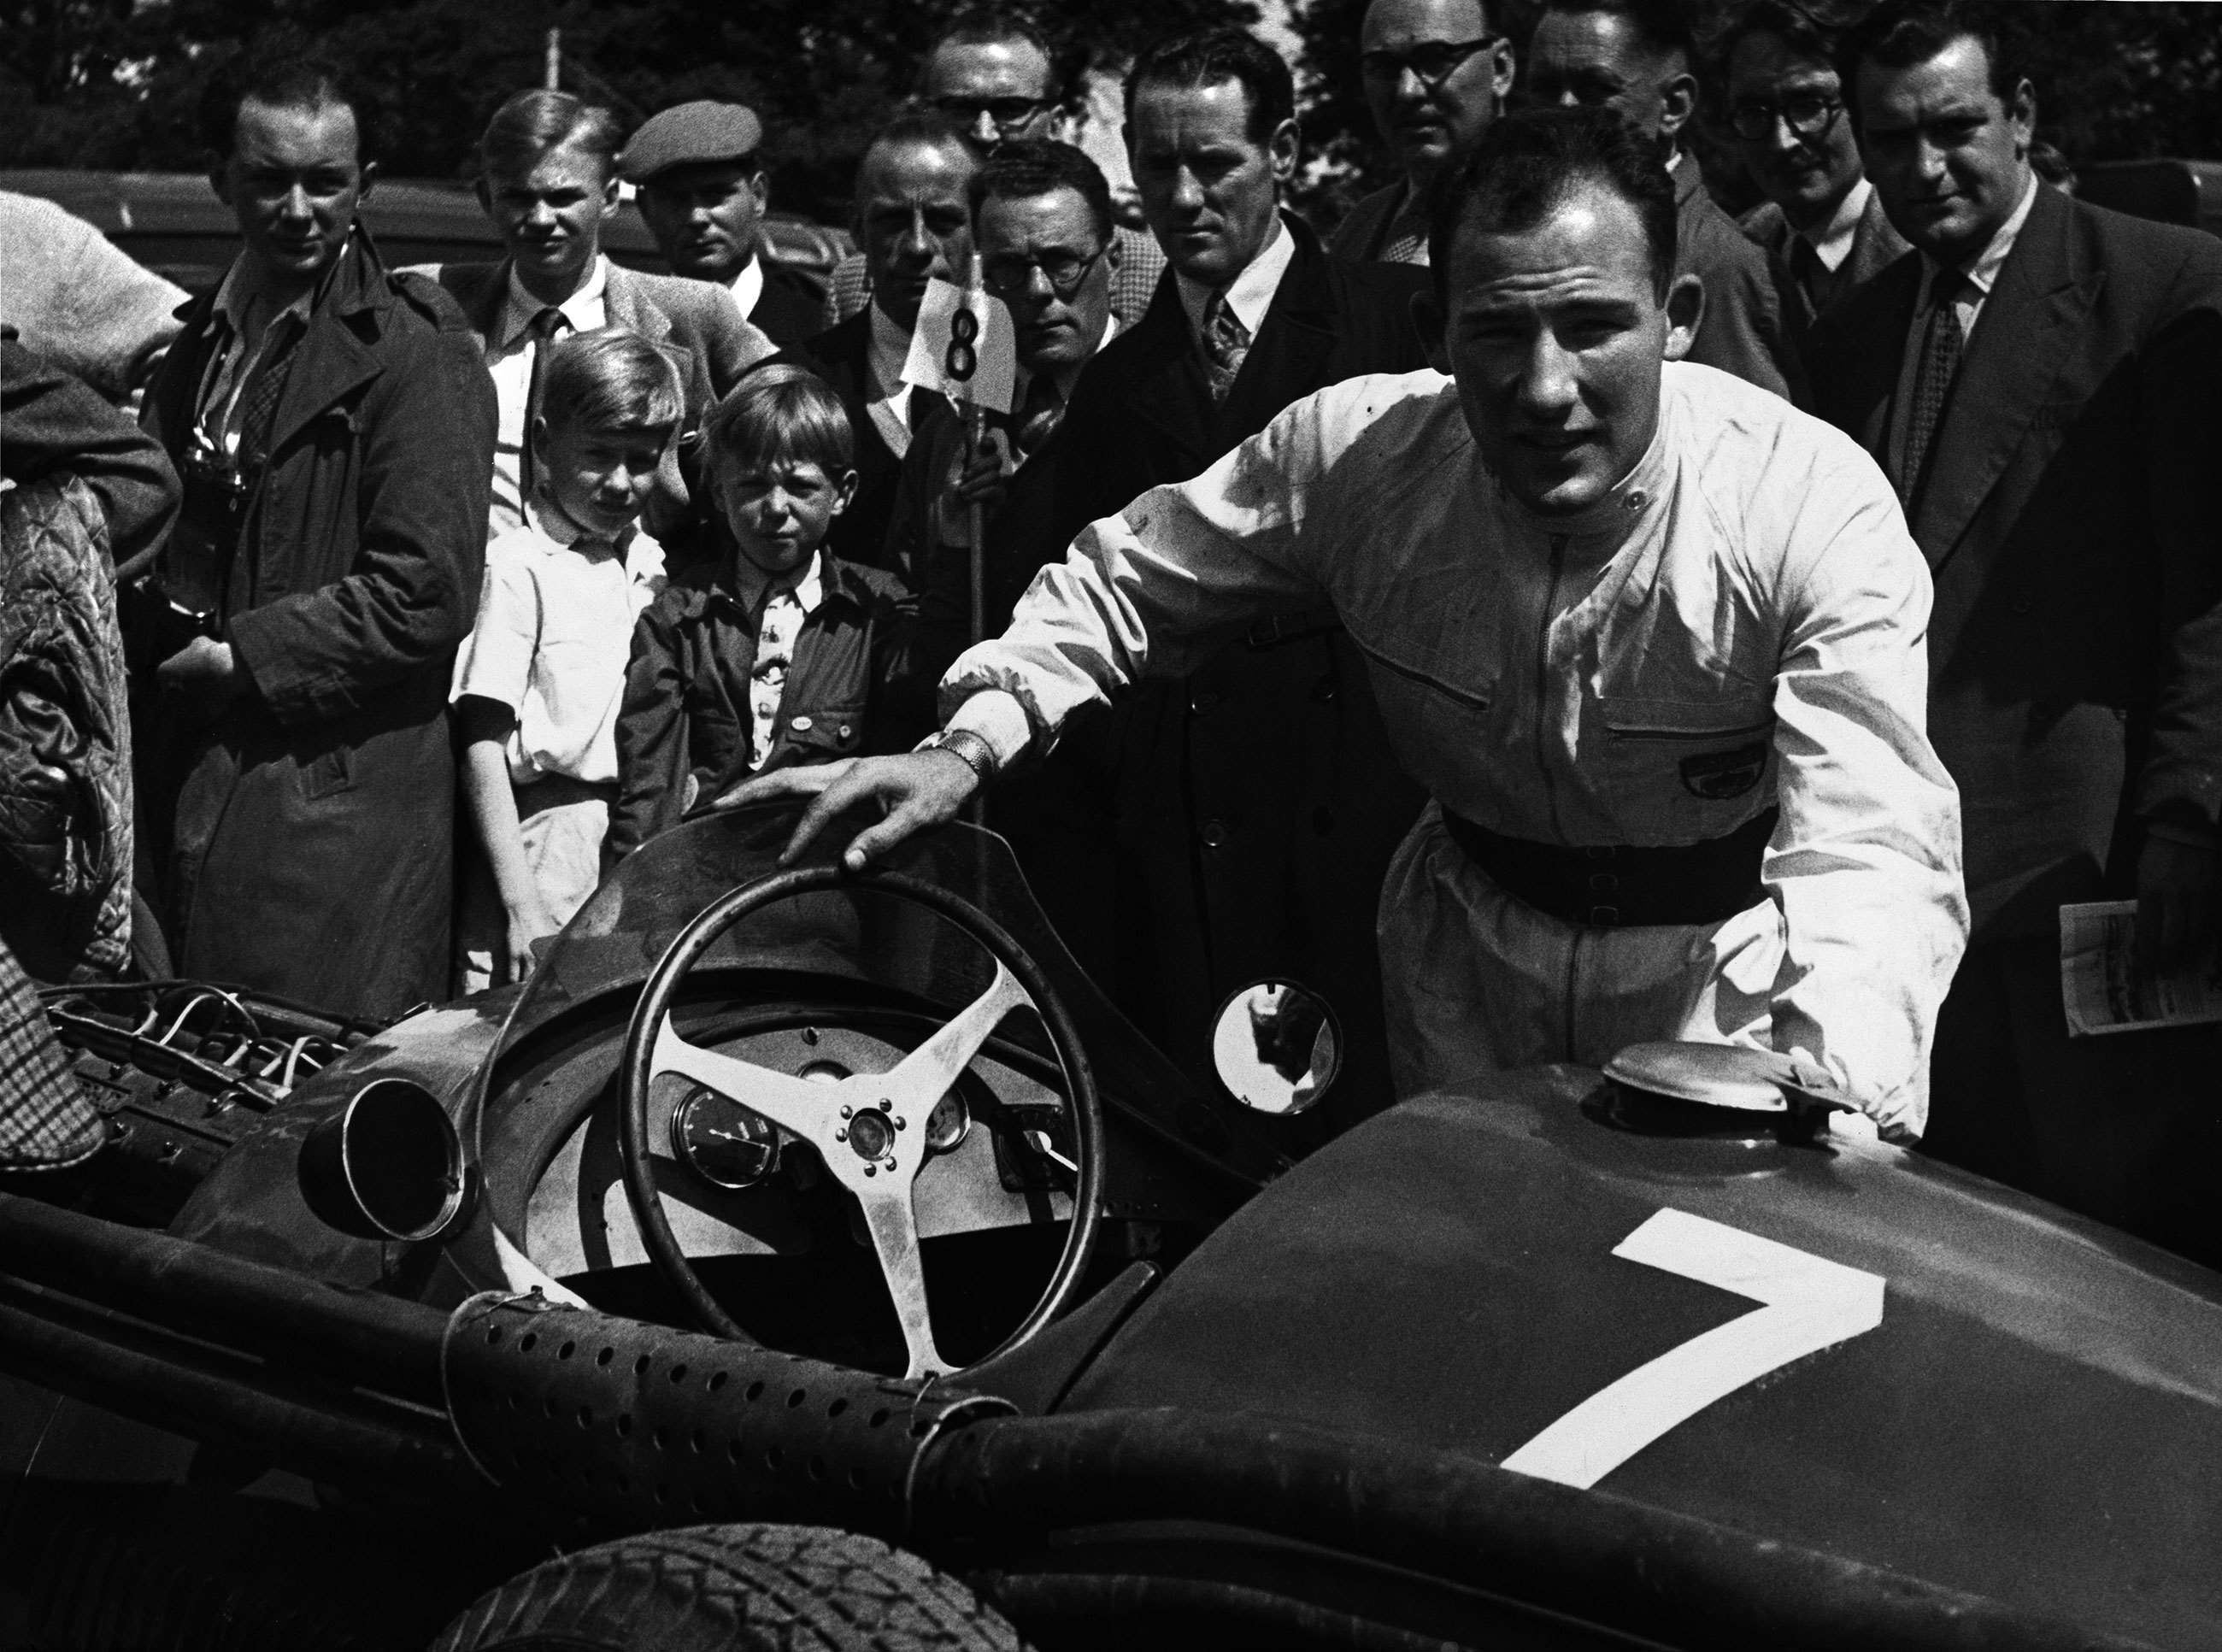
(870, 1128)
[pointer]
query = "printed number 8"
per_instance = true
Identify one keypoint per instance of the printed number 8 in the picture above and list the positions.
(962, 361)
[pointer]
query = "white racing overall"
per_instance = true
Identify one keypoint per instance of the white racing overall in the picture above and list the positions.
(1738, 626)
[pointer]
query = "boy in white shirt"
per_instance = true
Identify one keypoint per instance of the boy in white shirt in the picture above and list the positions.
(537, 685)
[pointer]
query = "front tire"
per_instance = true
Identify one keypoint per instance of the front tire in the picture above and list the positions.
(737, 1588)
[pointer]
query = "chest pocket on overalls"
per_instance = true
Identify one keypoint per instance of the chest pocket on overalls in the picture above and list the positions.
(1686, 770)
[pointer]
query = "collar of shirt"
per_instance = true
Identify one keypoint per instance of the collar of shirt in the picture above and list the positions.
(1068, 375)
(1832, 242)
(554, 523)
(1984, 272)
(752, 588)
(1250, 294)
(584, 308)
(1600, 529)
(245, 306)
(748, 286)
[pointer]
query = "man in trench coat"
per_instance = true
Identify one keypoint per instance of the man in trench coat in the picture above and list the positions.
(334, 427)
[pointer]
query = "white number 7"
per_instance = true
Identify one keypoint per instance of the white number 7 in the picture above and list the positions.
(1810, 1303)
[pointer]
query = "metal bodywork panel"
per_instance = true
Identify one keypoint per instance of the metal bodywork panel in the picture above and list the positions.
(2037, 1416)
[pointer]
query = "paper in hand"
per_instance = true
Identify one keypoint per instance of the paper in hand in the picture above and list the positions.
(964, 347)
(2101, 986)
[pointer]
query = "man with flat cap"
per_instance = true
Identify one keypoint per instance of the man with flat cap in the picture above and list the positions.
(703, 196)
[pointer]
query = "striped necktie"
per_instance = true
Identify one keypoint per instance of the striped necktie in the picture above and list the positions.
(1941, 346)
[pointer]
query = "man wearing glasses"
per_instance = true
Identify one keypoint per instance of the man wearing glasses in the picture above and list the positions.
(1041, 231)
(1822, 224)
(1435, 76)
(991, 75)
(1634, 58)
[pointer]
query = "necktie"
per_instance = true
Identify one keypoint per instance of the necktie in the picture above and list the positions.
(543, 328)
(1039, 409)
(1814, 277)
(1226, 342)
(1932, 381)
(258, 407)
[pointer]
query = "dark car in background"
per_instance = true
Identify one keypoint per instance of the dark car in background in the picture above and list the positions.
(174, 224)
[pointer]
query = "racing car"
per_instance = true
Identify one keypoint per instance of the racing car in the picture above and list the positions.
(802, 1258)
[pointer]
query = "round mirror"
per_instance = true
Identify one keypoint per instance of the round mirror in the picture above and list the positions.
(1276, 1046)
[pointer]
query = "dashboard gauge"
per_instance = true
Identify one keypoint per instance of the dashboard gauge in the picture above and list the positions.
(721, 1141)
(946, 1126)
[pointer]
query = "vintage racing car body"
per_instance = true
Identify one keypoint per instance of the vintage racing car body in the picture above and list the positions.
(1542, 1363)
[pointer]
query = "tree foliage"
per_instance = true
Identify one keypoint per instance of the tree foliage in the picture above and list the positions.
(2113, 82)
(114, 82)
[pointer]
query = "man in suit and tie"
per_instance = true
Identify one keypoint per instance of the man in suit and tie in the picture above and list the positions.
(1252, 805)
(2043, 384)
(1435, 73)
(914, 223)
(548, 179)
(702, 195)
(992, 76)
(1822, 225)
(1633, 57)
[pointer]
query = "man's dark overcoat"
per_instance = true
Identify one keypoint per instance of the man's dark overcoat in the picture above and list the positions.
(309, 848)
(1252, 805)
(2073, 525)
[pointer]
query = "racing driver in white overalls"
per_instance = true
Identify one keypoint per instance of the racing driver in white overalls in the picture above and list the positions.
(1652, 638)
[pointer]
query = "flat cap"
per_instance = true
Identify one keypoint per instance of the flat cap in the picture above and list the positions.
(688, 135)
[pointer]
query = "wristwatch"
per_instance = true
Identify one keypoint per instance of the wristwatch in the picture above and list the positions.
(963, 744)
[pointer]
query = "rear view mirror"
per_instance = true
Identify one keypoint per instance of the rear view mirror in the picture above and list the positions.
(1276, 1046)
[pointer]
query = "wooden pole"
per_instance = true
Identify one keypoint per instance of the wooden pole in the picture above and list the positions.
(551, 75)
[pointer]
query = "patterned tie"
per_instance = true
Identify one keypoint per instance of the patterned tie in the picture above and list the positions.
(258, 407)
(1932, 381)
(1226, 342)
(543, 328)
(1039, 409)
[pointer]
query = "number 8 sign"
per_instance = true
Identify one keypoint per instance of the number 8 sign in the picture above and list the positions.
(964, 346)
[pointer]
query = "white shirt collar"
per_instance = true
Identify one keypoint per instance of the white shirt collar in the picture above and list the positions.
(1832, 242)
(806, 585)
(890, 350)
(748, 286)
(1068, 375)
(242, 301)
(1984, 272)
(583, 309)
(1250, 295)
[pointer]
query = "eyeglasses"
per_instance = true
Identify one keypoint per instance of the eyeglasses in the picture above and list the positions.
(1432, 61)
(1064, 272)
(1807, 114)
(1007, 113)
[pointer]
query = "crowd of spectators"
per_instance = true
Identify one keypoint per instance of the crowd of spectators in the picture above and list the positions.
(441, 590)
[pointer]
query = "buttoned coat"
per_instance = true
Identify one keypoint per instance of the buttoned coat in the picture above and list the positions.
(306, 834)
(2073, 524)
(686, 713)
(1253, 804)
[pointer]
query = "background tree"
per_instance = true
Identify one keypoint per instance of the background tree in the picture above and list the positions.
(114, 82)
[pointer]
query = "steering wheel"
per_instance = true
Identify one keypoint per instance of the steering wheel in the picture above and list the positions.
(870, 1128)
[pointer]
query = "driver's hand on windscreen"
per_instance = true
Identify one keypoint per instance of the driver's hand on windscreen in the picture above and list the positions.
(918, 789)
